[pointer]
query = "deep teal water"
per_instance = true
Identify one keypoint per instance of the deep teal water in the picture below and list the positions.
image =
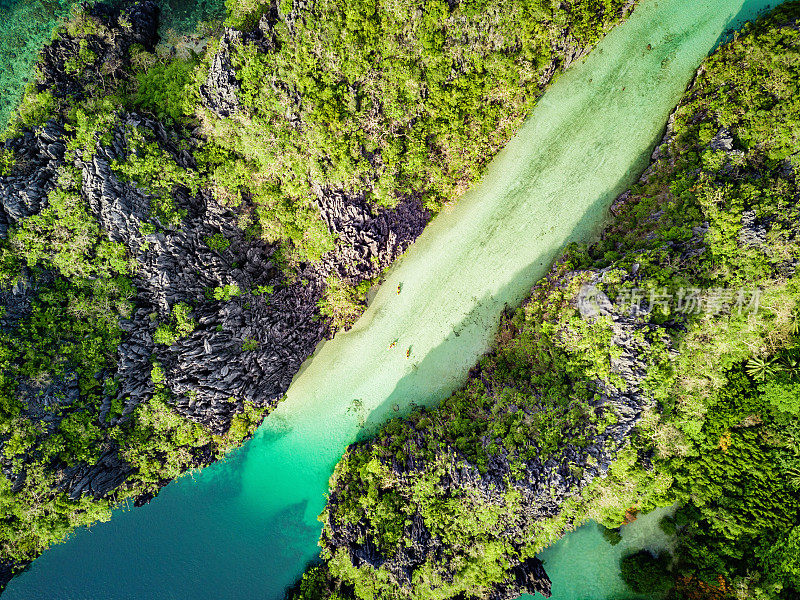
(26, 25)
(246, 527)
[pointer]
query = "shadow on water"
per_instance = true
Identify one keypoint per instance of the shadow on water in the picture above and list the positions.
(245, 528)
(751, 10)
(587, 229)
(592, 221)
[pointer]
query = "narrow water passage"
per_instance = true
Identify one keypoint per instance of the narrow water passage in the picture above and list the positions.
(246, 527)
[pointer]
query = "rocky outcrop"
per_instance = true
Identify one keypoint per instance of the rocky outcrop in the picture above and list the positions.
(753, 233)
(37, 156)
(208, 368)
(218, 94)
(69, 67)
(528, 577)
(244, 348)
(368, 242)
(723, 140)
(632, 334)
(98, 479)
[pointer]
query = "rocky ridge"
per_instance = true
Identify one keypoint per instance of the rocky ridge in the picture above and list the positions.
(244, 349)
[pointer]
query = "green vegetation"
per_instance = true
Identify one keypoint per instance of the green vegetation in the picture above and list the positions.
(711, 222)
(225, 292)
(343, 303)
(217, 242)
(166, 89)
(181, 325)
(645, 573)
(156, 172)
(348, 97)
(58, 348)
(393, 100)
(6, 161)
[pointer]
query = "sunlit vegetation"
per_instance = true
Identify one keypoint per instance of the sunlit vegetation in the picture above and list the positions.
(385, 100)
(723, 438)
(396, 100)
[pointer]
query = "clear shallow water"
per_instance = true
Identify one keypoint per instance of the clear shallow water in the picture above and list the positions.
(26, 25)
(246, 527)
(182, 16)
(584, 566)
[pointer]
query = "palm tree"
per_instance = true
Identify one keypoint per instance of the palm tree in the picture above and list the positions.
(760, 368)
(793, 476)
(790, 363)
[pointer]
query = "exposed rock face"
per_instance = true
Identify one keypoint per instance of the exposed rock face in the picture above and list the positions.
(38, 156)
(753, 232)
(219, 92)
(243, 349)
(722, 141)
(97, 479)
(209, 367)
(527, 577)
(368, 242)
(626, 322)
(136, 24)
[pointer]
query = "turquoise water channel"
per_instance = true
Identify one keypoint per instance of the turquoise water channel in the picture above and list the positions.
(25, 26)
(246, 527)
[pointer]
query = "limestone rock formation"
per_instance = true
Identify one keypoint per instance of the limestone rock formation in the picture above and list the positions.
(219, 92)
(243, 349)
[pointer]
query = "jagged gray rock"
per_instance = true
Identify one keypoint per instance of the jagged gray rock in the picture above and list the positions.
(753, 233)
(245, 349)
(368, 242)
(219, 91)
(135, 24)
(723, 140)
(38, 156)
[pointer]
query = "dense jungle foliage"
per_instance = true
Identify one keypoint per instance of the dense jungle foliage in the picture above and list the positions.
(712, 220)
(391, 100)
(379, 99)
